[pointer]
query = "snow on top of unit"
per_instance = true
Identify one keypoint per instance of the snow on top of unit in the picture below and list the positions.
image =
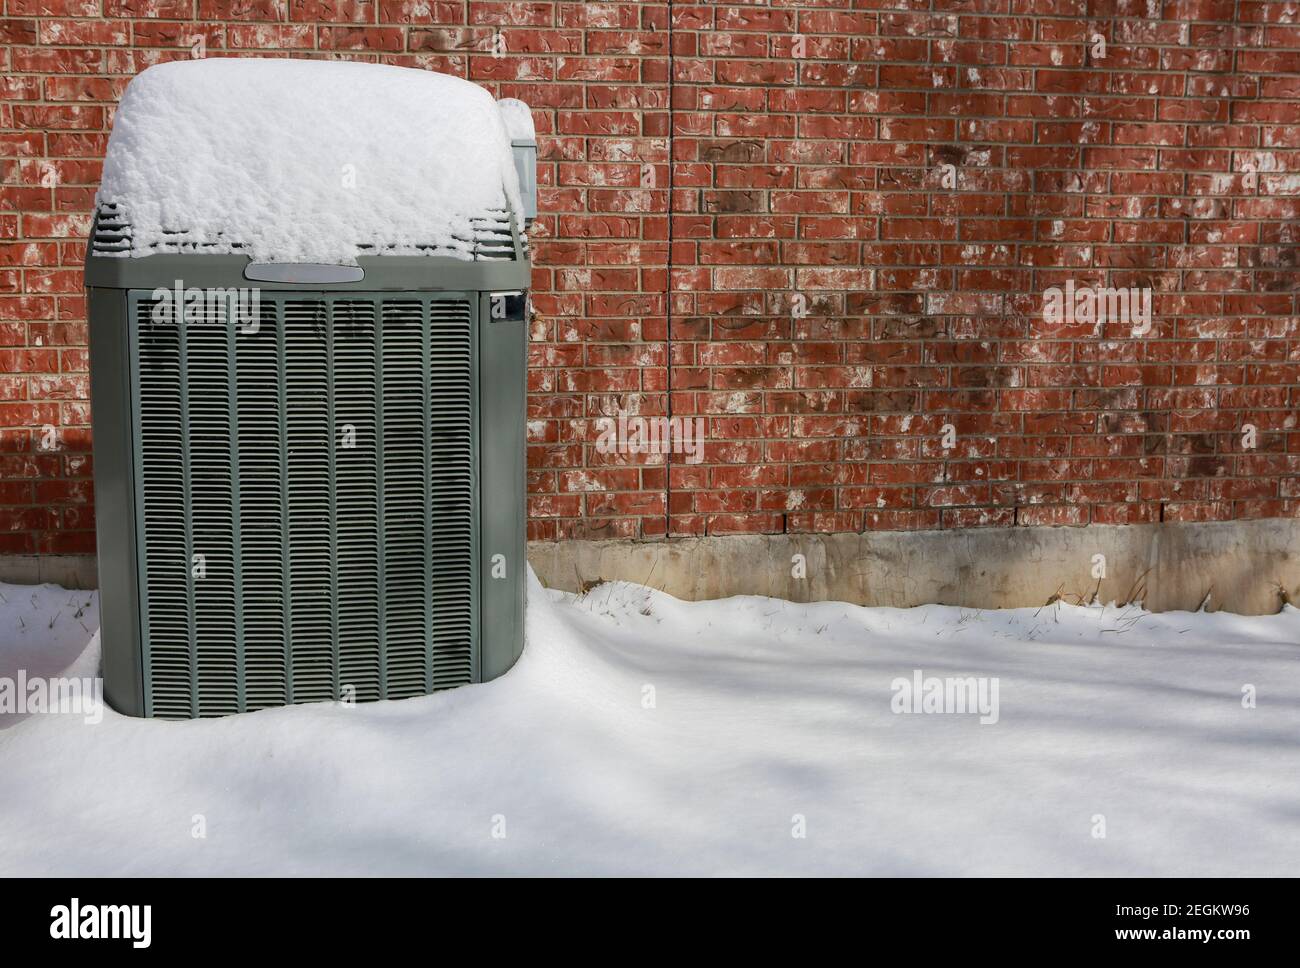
(518, 119)
(306, 161)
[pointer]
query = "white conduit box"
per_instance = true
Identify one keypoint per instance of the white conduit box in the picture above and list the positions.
(523, 142)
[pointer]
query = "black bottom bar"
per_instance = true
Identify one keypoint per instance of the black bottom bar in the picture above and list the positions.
(920, 919)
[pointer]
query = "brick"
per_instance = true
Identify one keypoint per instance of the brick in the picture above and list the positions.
(817, 177)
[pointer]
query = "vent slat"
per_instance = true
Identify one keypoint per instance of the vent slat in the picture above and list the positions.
(262, 512)
(406, 620)
(209, 384)
(358, 497)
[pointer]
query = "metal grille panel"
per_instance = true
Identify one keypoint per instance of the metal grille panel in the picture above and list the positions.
(306, 501)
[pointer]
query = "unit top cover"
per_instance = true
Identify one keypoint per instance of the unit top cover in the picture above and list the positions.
(306, 161)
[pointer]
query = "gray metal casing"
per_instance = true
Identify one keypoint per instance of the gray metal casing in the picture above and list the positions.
(498, 431)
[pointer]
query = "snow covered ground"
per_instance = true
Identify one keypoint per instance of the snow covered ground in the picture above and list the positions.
(641, 734)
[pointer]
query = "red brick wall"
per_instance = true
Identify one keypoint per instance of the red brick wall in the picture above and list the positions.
(807, 145)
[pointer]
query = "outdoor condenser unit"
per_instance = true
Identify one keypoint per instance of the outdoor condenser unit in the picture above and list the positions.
(307, 293)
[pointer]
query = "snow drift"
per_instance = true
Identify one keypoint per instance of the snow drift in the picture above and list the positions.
(640, 734)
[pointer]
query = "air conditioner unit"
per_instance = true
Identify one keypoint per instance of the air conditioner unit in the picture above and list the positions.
(307, 290)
